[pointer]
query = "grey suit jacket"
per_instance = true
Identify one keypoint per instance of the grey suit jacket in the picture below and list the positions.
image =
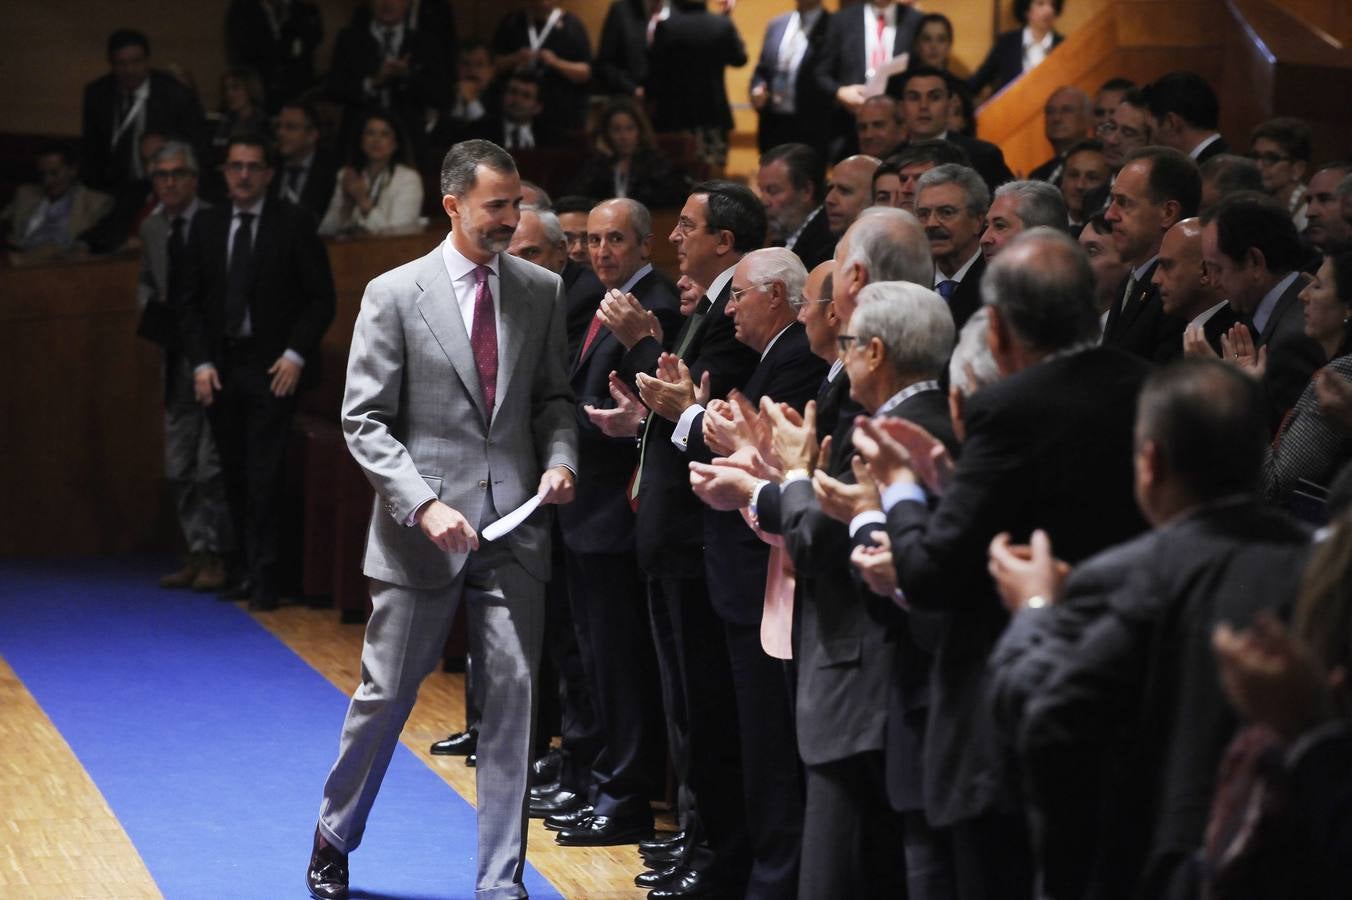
(153, 285)
(414, 417)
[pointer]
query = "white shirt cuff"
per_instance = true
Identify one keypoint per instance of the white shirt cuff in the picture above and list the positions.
(796, 475)
(681, 436)
(901, 491)
(292, 356)
(867, 517)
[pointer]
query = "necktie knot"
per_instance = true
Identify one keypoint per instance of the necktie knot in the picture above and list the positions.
(947, 288)
(481, 275)
(245, 219)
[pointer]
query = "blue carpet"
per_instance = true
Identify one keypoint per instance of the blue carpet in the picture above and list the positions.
(210, 739)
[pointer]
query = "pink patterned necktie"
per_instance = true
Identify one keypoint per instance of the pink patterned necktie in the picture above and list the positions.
(483, 338)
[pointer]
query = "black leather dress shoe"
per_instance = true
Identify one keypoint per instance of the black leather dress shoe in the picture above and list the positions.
(326, 876)
(606, 831)
(561, 801)
(664, 859)
(237, 590)
(540, 791)
(664, 841)
(688, 883)
(546, 769)
(569, 819)
(462, 743)
(659, 878)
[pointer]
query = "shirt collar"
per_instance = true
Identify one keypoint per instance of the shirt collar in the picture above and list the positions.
(636, 278)
(187, 215)
(256, 210)
(1205, 142)
(378, 31)
(459, 266)
(791, 241)
(905, 394)
(716, 286)
(959, 275)
(836, 368)
(1029, 42)
(1263, 312)
(1139, 272)
(889, 14)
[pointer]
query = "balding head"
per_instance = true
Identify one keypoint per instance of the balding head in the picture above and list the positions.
(619, 240)
(883, 245)
(879, 126)
(818, 313)
(850, 191)
(1067, 117)
(1184, 290)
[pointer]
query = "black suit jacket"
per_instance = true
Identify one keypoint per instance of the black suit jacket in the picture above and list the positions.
(318, 189)
(987, 159)
(600, 520)
(582, 293)
(565, 103)
(688, 60)
(283, 59)
(735, 559)
(1140, 325)
(1215, 148)
(811, 104)
(669, 527)
(816, 244)
(170, 109)
(358, 56)
(967, 298)
(1004, 62)
(1050, 171)
(291, 302)
(1292, 355)
(622, 56)
(1049, 447)
(653, 181)
(1120, 679)
(842, 61)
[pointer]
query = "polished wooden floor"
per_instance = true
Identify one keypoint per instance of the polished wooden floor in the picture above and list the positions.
(60, 841)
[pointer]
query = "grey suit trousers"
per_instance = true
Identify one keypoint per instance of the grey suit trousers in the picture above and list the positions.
(404, 641)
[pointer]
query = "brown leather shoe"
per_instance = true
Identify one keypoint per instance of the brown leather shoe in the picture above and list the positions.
(184, 577)
(211, 576)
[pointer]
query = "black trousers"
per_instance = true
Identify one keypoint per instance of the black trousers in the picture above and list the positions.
(852, 839)
(613, 635)
(252, 428)
(992, 857)
(702, 726)
(566, 707)
(772, 778)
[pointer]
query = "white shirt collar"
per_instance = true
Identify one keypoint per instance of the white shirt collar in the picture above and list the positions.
(792, 239)
(1205, 317)
(378, 32)
(959, 275)
(1205, 142)
(256, 210)
(716, 287)
(459, 266)
(1263, 312)
(1139, 272)
(1028, 42)
(836, 368)
(905, 394)
(871, 13)
(636, 278)
(188, 213)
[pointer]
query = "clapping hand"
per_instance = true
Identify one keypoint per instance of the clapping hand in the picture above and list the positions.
(842, 501)
(1239, 350)
(672, 391)
(1022, 572)
(627, 319)
(622, 420)
(932, 463)
(793, 438)
(1273, 678)
(721, 486)
(1195, 344)
(874, 563)
(888, 461)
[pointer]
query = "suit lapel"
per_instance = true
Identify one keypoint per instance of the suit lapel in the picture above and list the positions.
(439, 310)
(1285, 300)
(515, 307)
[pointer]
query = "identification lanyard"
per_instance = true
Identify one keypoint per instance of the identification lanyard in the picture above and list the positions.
(132, 114)
(537, 38)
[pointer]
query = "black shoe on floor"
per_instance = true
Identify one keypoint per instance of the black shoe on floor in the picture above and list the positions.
(659, 878)
(663, 841)
(560, 801)
(462, 743)
(688, 883)
(606, 831)
(569, 819)
(326, 876)
(546, 769)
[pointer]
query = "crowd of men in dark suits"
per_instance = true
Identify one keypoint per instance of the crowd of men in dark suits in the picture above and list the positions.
(901, 529)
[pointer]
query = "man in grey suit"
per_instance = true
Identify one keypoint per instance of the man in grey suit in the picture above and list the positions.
(191, 464)
(458, 409)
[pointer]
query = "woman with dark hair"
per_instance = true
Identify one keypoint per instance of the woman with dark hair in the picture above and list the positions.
(1281, 148)
(378, 190)
(242, 110)
(961, 108)
(627, 161)
(933, 42)
(1018, 51)
(1308, 446)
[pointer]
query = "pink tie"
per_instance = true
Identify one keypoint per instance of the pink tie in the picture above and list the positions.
(483, 338)
(592, 331)
(880, 54)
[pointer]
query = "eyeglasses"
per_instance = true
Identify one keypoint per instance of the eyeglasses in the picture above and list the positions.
(1269, 159)
(1128, 133)
(239, 167)
(686, 226)
(944, 214)
(172, 174)
(738, 295)
(845, 341)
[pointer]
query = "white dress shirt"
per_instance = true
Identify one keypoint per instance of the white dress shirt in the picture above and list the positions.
(889, 36)
(1035, 51)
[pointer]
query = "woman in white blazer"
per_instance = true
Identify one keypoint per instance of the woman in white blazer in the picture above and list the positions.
(377, 191)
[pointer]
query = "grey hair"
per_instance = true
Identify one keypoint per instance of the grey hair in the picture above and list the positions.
(460, 167)
(546, 203)
(773, 264)
(1043, 288)
(891, 246)
(549, 224)
(965, 177)
(913, 323)
(1086, 102)
(640, 220)
(171, 149)
(1038, 203)
(973, 351)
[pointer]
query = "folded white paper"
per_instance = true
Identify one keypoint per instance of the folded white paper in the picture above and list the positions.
(511, 520)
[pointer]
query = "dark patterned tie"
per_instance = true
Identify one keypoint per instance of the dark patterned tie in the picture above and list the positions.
(483, 338)
(240, 275)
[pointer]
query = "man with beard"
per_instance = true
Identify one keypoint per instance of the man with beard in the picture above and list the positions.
(790, 183)
(448, 449)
